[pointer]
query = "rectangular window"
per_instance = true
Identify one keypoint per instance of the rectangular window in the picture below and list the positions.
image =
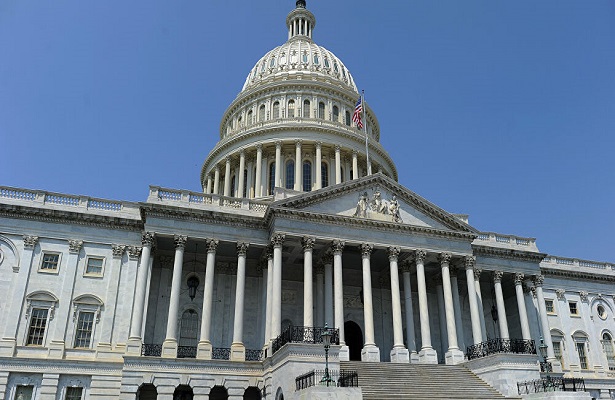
(557, 350)
(572, 305)
(73, 393)
(50, 262)
(582, 354)
(83, 331)
(24, 392)
(549, 306)
(94, 266)
(607, 345)
(38, 323)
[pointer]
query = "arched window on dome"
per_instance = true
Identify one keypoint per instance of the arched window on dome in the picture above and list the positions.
(245, 184)
(321, 110)
(327, 63)
(271, 178)
(272, 62)
(316, 59)
(348, 120)
(607, 346)
(306, 109)
(232, 194)
(240, 122)
(283, 59)
(290, 174)
(304, 57)
(291, 108)
(324, 173)
(336, 114)
(261, 113)
(307, 176)
(276, 109)
(249, 120)
(336, 68)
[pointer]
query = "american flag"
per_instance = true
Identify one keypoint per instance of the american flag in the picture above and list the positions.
(356, 117)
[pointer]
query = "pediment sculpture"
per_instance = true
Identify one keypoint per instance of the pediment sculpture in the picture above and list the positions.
(378, 206)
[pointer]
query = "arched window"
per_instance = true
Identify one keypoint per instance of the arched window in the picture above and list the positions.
(348, 118)
(271, 178)
(324, 172)
(291, 108)
(239, 122)
(189, 328)
(261, 113)
(607, 345)
(276, 109)
(245, 183)
(316, 59)
(290, 174)
(306, 109)
(249, 121)
(307, 176)
(321, 110)
(580, 343)
(336, 114)
(232, 193)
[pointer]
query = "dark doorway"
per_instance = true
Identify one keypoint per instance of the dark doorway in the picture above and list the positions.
(218, 393)
(147, 391)
(354, 339)
(183, 392)
(252, 393)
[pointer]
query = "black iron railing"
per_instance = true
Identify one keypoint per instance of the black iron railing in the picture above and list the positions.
(254, 355)
(546, 367)
(497, 345)
(342, 378)
(551, 384)
(151, 350)
(303, 334)
(221, 353)
(186, 351)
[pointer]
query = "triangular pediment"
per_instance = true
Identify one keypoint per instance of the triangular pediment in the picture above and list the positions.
(374, 198)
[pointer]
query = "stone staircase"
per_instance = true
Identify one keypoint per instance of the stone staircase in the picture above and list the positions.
(380, 381)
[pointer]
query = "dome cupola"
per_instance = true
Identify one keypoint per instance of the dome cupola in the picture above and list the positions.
(300, 22)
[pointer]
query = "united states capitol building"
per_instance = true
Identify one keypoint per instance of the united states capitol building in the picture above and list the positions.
(301, 234)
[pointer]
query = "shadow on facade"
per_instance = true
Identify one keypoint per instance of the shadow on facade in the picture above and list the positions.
(354, 339)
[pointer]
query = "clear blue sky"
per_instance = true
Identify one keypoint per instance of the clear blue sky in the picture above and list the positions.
(504, 110)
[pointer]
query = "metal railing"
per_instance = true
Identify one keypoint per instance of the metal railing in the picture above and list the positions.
(342, 378)
(497, 345)
(151, 350)
(221, 353)
(186, 351)
(551, 384)
(303, 334)
(254, 355)
(545, 366)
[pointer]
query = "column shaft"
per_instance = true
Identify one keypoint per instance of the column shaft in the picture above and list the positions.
(276, 296)
(298, 177)
(141, 287)
(208, 189)
(409, 310)
(176, 283)
(328, 293)
(216, 180)
(457, 306)
(227, 177)
(368, 311)
(278, 165)
(355, 166)
(449, 309)
(499, 300)
(338, 166)
(525, 326)
(544, 321)
(423, 307)
(338, 283)
(479, 302)
(259, 166)
(477, 335)
(308, 291)
(242, 167)
(269, 295)
(318, 166)
(208, 293)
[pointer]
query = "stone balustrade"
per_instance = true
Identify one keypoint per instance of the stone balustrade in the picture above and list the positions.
(508, 241)
(198, 199)
(66, 202)
(576, 263)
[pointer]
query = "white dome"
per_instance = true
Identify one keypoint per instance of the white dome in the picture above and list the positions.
(299, 57)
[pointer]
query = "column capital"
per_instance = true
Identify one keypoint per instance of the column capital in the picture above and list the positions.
(148, 238)
(366, 250)
(227, 159)
(354, 153)
(277, 240)
(539, 280)
(477, 272)
(29, 241)
(180, 241)
(307, 242)
(560, 294)
(268, 253)
(469, 261)
(318, 145)
(497, 276)
(445, 258)
(338, 148)
(406, 266)
(584, 296)
(134, 252)
(242, 248)
(259, 147)
(393, 253)
(278, 144)
(420, 255)
(337, 246)
(212, 244)
(298, 143)
(118, 250)
(519, 278)
(74, 246)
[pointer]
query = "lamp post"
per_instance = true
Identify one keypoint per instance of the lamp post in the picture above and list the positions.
(545, 366)
(326, 341)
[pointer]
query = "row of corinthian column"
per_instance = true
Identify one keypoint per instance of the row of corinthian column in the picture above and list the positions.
(330, 301)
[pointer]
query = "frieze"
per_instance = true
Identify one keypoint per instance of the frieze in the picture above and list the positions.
(377, 205)
(508, 253)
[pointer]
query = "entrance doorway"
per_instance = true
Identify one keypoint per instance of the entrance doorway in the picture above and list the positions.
(354, 339)
(147, 391)
(183, 392)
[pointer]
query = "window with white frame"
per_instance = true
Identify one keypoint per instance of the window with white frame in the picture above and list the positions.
(572, 306)
(94, 266)
(557, 350)
(550, 306)
(607, 346)
(50, 262)
(40, 309)
(601, 311)
(86, 316)
(582, 352)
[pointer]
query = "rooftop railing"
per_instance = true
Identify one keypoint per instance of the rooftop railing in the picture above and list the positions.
(188, 199)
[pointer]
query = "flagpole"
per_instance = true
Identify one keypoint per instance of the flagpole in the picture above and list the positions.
(364, 106)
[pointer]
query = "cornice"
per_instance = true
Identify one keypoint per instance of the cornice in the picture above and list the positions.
(508, 253)
(208, 216)
(215, 366)
(585, 275)
(94, 367)
(63, 216)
